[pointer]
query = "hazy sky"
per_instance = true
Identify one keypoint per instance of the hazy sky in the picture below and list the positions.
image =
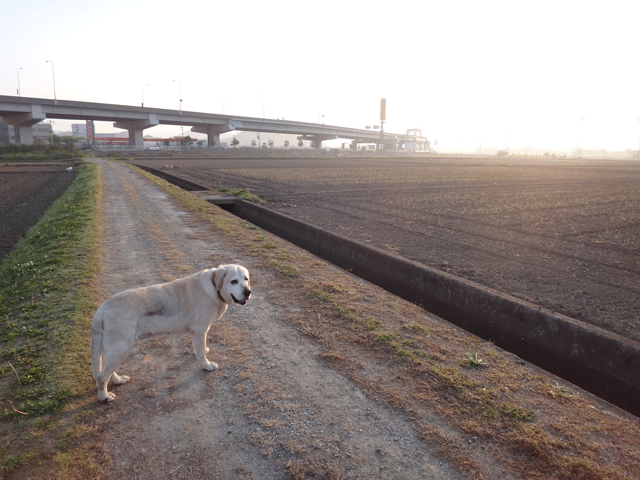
(464, 72)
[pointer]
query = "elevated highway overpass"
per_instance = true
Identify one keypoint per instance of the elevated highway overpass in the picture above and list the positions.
(24, 112)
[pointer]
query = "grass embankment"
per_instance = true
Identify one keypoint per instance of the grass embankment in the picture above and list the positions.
(38, 153)
(47, 299)
(532, 425)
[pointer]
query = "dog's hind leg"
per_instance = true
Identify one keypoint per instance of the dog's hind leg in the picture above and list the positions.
(200, 349)
(111, 359)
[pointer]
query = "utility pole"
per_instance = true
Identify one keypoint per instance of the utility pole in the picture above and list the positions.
(179, 96)
(383, 117)
(638, 141)
(53, 73)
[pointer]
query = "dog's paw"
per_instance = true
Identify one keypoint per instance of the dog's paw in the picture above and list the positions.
(206, 349)
(121, 379)
(109, 398)
(210, 366)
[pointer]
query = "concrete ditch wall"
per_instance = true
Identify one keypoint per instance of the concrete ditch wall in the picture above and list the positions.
(601, 362)
(177, 181)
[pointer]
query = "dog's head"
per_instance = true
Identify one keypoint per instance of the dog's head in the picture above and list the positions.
(232, 284)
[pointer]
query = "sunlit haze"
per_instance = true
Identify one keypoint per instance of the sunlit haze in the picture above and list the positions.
(546, 75)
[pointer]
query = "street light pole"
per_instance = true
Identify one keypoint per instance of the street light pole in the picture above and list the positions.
(263, 102)
(383, 117)
(143, 93)
(639, 140)
(179, 96)
(19, 80)
(53, 73)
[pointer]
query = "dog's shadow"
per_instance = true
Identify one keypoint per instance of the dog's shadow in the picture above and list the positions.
(162, 381)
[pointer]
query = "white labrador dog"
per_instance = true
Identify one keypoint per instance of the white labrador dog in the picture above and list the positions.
(187, 305)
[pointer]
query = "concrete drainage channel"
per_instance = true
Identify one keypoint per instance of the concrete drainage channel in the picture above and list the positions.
(596, 360)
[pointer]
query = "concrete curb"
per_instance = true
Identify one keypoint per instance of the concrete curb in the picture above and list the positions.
(177, 181)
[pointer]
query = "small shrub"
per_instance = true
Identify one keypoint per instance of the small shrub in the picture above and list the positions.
(474, 362)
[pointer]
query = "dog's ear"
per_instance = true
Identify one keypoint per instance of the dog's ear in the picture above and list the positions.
(218, 277)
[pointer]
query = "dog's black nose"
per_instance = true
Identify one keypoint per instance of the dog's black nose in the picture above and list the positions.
(247, 292)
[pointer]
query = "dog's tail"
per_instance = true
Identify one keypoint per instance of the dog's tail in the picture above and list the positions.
(97, 329)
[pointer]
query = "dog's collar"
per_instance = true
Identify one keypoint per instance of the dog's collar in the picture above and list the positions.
(216, 289)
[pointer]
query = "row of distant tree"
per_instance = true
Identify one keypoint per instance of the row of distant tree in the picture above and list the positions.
(183, 141)
(187, 141)
(235, 142)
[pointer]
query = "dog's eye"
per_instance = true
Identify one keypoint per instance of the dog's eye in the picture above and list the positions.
(234, 282)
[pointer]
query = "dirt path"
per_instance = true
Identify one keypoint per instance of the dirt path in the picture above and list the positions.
(273, 400)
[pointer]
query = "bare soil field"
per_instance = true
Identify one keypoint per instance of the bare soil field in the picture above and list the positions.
(26, 192)
(565, 236)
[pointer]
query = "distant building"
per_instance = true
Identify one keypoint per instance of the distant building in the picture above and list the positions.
(43, 131)
(79, 130)
(419, 145)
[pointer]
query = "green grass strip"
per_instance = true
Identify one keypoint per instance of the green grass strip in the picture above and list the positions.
(46, 302)
(38, 153)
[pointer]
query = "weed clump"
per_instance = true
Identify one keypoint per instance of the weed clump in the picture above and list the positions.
(473, 361)
(242, 194)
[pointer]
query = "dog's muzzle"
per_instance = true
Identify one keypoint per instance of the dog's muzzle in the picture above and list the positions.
(247, 294)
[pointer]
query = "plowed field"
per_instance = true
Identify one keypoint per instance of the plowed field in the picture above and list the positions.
(563, 236)
(26, 192)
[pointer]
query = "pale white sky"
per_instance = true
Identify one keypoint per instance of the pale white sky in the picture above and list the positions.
(462, 71)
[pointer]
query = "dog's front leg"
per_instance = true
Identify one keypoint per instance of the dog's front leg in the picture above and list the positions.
(200, 349)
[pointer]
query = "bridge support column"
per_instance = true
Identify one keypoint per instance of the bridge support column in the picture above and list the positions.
(24, 134)
(136, 137)
(316, 140)
(22, 124)
(136, 129)
(213, 132)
